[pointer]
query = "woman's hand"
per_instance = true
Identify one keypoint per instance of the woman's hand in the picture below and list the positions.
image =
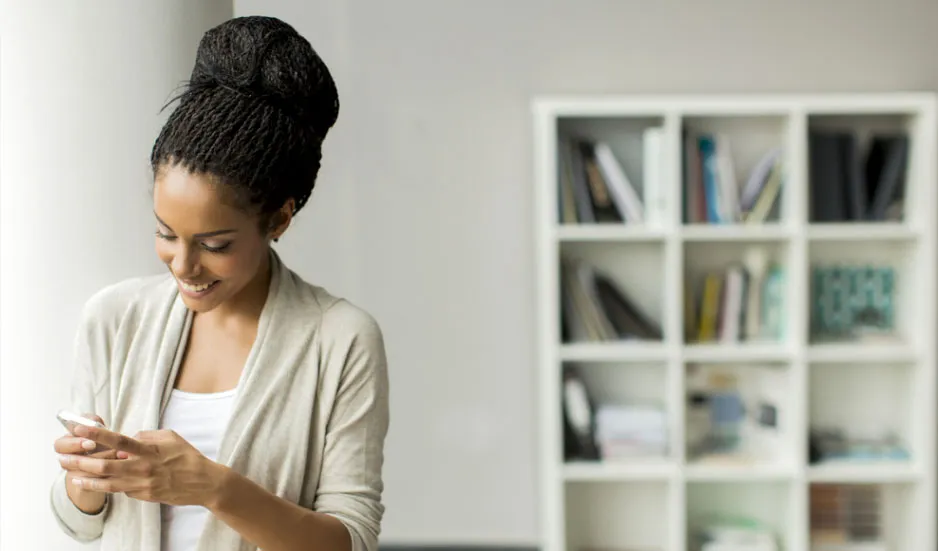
(69, 445)
(155, 466)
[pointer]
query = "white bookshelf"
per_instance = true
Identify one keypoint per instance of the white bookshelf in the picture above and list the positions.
(660, 502)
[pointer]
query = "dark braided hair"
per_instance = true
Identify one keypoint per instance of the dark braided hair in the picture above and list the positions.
(253, 115)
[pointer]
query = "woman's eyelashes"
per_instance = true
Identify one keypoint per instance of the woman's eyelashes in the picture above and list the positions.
(212, 247)
(216, 247)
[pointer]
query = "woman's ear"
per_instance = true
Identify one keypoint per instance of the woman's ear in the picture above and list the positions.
(280, 220)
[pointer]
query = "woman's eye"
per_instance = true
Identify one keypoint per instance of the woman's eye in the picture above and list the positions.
(215, 247)
(212, 247)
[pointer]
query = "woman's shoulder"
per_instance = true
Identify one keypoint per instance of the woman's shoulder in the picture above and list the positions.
(110, 304)
(343, 318)
(351, 341)
(341, 321)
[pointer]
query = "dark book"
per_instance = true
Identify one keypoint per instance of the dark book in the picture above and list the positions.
(581, 192)
(827, 177)
(886, 172)
(854, 178)
(579, 419)
(603, 206)
(626, 318)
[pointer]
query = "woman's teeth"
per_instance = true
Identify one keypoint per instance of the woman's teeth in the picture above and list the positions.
(195, 288)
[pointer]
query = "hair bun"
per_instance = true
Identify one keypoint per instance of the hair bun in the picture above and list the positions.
(266, 58)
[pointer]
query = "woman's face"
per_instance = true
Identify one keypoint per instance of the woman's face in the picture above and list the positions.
(214, 250)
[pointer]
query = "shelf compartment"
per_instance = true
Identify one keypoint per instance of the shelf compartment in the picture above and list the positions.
(737, 419)
(849, 159)
(630, 270)
(766, 504)
(727, 164)
(736, 292)
(864, 293)
(856, 422)
(613, 171)
(631, 420)
(618, 515)
(861, 516)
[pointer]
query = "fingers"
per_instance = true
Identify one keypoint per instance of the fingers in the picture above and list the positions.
(99, 466)
(108, 485)
(113, 440)
(73, 444)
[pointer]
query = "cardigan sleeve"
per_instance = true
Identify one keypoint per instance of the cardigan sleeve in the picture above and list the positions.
(89, 347)
(350, 483)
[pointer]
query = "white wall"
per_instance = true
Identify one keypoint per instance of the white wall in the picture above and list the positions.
(80, 93)
(434, 118)
(434, 148)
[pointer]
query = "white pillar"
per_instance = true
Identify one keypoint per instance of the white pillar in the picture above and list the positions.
(81, 87)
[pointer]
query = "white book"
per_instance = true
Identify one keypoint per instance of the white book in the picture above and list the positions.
(732, 305)
(623, 192)
(654, 196)
(726, 180)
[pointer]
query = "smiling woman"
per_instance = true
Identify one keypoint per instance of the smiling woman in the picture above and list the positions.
(244, 407)
(212, 248)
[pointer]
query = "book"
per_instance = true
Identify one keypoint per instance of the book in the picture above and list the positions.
(848, 184)
(593, 186)
(595, 308)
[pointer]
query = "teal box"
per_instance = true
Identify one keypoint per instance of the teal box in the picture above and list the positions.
(852, 301)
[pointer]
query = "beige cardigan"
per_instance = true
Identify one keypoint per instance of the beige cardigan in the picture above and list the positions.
(308, 424)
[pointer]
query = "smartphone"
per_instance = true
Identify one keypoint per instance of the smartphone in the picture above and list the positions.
(70, 419)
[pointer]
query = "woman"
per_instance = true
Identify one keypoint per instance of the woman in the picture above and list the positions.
(245, 408)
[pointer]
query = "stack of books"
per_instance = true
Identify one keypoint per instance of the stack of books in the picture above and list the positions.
(604, 430)
(625, 431)
(737, 535)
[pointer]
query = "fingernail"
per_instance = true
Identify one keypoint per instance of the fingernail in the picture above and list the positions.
(88, 444)
(63, 458)
(81, 430)
(76, 482)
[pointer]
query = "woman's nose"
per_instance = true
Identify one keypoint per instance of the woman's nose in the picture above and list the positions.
(185, 263)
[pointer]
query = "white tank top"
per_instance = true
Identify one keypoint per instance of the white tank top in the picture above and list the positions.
(200, 419)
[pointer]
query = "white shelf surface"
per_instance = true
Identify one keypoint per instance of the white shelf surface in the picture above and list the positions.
(610, 232)
(614, 352)
(735, 232)
(860, 353)
(739, 473)
(736, 353)
(632, 469)
(854, 472)
(862, 232)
